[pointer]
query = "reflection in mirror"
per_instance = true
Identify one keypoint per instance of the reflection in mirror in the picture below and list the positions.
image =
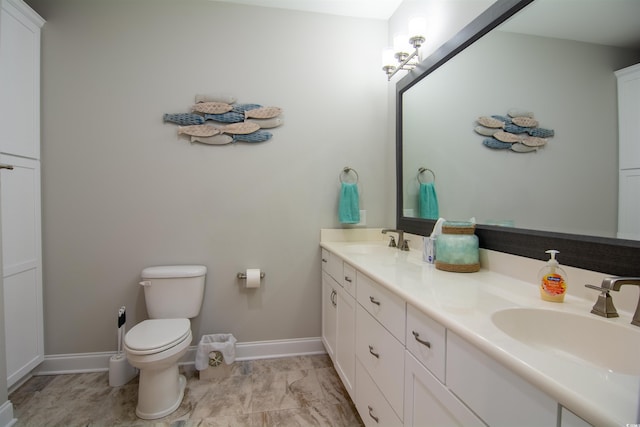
(570, 184)
(565, 195)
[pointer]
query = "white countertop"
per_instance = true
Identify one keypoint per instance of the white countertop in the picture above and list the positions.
(464, 303)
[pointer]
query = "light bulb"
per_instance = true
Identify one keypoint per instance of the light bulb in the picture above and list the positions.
(417, 26)
(400, 43)
(387, 57)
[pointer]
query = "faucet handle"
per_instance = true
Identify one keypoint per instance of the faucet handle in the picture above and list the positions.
(392, 242)
(597, 288)
(604, 304)
(404, 245)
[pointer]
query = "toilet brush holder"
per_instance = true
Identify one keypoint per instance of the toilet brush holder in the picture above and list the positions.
(120, 370)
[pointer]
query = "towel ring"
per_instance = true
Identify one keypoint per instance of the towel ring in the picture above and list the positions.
(421, 171)
(346, 171)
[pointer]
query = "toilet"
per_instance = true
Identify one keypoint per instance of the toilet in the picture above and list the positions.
(173, 295)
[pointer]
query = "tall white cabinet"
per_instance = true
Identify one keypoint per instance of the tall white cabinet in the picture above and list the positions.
(20, 212)
(629, 152)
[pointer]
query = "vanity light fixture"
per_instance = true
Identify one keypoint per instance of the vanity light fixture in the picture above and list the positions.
(396, 58)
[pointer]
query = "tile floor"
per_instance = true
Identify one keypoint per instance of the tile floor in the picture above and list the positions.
(296, 391)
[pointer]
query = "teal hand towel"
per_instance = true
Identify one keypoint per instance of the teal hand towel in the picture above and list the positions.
(349, 205)
(428, 201)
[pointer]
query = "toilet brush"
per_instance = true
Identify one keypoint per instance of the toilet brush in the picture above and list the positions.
(122, 318)
(120, 371)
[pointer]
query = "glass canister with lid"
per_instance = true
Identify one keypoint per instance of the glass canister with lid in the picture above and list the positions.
(457, 248)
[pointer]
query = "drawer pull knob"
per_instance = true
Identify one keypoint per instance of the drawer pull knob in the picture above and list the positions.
(371, 415)
(423, 342)
(377, 355)
(374, 301)
(348, 279)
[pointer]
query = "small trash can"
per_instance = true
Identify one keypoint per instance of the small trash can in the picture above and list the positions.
(213, 350)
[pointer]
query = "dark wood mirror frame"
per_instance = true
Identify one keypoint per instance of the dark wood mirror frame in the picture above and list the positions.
(606, 255)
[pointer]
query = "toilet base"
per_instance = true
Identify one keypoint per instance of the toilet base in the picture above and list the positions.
(160, 392)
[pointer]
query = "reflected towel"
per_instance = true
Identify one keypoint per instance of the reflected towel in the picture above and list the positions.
(428, 201)
(349, 206)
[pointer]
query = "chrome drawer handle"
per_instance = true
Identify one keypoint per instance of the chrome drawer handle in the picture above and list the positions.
(324, 260)
(3, 166)
(371, 415)
(423, 342)
(377, 355)
(348, 279)
(374, 301)
(333, 297)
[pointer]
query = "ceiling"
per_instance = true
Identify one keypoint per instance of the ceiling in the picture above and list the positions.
(373, 9)
(579, 20)
(587, 21)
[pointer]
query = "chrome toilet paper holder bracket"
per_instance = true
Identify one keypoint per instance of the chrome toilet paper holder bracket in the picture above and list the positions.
(244, 275)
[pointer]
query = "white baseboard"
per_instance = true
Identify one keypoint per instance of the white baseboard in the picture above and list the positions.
(6, 414)
(56, 364)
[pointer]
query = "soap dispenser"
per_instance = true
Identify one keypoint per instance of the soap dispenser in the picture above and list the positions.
(553, 282)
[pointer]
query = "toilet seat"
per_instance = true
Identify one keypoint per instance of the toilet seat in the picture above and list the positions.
(156, 335)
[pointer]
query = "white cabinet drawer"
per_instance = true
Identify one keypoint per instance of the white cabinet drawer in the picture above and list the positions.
(332, 264)
(385, 306)
(496, 394)
(349, 279)
(426, 340)
(382, 356)
(370, 403)
(428, 403)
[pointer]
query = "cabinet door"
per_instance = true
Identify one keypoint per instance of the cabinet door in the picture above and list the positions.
(19, 80)
(329, 313)
(22, 265)
(427, 403)
(629, 204)
(494, 393)
(346, 339)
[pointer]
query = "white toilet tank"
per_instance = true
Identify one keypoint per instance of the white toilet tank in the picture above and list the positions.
(173, 291)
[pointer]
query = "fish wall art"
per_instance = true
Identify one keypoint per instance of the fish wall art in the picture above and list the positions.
(518, 131)
(218, 120)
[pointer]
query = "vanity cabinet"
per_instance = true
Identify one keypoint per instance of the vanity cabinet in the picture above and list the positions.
(411, 370)
(339, 317)
(20, 195)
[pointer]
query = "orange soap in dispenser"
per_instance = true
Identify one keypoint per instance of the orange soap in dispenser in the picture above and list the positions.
(553, 280)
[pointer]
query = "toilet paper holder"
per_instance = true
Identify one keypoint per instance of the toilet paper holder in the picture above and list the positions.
(244, 275)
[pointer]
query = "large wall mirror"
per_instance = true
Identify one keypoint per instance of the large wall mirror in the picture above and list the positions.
(556, 59)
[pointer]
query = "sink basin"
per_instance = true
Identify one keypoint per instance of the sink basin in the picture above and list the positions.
(598, 342)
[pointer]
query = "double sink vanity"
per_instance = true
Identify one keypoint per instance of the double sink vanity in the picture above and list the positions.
(416, 346)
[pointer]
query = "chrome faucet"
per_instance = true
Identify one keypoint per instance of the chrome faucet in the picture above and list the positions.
(403, 244)
(604, 305)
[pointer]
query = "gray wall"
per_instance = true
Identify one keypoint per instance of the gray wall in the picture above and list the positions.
(121, 191)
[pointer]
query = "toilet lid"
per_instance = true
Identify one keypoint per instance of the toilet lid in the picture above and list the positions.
(151, 336)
